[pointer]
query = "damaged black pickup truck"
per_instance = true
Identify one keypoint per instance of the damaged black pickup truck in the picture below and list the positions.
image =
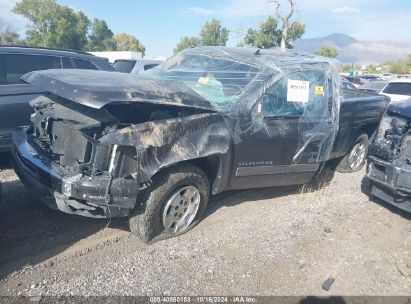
(389, 162)
(154, 146)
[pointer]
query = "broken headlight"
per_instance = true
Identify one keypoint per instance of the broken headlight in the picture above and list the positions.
(391, 130)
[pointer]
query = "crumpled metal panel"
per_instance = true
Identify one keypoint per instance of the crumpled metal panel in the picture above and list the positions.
(96, 89)
(159, 144)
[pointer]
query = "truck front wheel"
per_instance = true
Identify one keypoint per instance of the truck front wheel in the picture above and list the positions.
(356, 157)
(172, 205)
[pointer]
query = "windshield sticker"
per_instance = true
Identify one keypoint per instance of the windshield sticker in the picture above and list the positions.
(298, 91)
(319, 90)
(203, 80)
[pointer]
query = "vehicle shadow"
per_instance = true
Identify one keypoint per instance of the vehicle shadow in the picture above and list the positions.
(366, 189)
(4, 161)
(236, 197)
(230, 198)
(31, 233)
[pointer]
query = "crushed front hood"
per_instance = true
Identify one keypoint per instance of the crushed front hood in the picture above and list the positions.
(96, 89)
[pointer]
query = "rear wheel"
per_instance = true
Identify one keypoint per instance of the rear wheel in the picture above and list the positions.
(173, 204)
(356, 157)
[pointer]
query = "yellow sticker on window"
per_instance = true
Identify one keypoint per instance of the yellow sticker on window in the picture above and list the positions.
(319, 90)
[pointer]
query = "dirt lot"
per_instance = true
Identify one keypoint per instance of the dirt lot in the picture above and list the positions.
(254, 242)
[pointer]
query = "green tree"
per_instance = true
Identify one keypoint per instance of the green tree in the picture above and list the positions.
(327, 51)
(187, 42)
(7, 34)
(295, 31)
(53, 25)
(100, 37)
(408, 60)
(125, 42)
(265, 37)
(399, 67)
(270, 35)
(59, 26)
(213, 33)
(371, 69)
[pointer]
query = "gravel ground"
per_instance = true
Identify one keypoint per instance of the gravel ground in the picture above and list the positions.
(276, 241)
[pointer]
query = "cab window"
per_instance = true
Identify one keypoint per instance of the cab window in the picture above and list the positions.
(296, 93)
(67, 64)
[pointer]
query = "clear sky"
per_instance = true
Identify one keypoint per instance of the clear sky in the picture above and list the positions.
(159, 24)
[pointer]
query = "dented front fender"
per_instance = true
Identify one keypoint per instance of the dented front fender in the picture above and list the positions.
(160, 144)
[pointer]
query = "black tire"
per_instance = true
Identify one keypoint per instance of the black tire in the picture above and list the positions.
(146, 222)
(366, 185)
(347, 164)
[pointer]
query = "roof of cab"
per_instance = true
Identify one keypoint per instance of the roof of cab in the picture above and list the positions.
(273, 57)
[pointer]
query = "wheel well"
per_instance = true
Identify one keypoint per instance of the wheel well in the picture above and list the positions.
(208, 164)
(369, 130)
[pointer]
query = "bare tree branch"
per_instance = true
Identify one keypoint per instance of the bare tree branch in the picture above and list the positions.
(277, 10)
(292, 8)
(284, 18)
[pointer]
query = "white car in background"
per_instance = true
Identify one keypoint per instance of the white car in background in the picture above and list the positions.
(398, 90)
(373, 87)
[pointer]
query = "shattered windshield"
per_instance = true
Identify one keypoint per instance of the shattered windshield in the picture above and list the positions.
(220, 81)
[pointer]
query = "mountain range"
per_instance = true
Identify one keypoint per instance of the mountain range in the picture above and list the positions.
(351, 50)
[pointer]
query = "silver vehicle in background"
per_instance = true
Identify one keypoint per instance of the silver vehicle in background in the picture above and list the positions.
(374, 87)
(398, 90)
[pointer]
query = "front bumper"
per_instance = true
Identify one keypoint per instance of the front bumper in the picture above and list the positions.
(391, 182)
(71, 192)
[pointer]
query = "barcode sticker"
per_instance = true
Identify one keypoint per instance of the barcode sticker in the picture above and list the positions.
(298, 90)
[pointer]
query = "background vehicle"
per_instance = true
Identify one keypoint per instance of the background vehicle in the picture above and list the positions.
(209, 119)
(357, 81)
(404, 76)
(15, 95)
(387, 76)
(347, 85)
(398, 90)
(390, 157)
(374, 87)
(135, 66)
(370, 77)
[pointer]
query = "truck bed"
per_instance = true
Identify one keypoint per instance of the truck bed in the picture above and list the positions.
(360, 113)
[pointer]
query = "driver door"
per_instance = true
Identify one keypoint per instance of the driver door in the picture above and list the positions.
(296, 134)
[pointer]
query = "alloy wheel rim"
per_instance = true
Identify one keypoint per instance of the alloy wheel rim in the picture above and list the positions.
(181, 209)
(357, 156)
